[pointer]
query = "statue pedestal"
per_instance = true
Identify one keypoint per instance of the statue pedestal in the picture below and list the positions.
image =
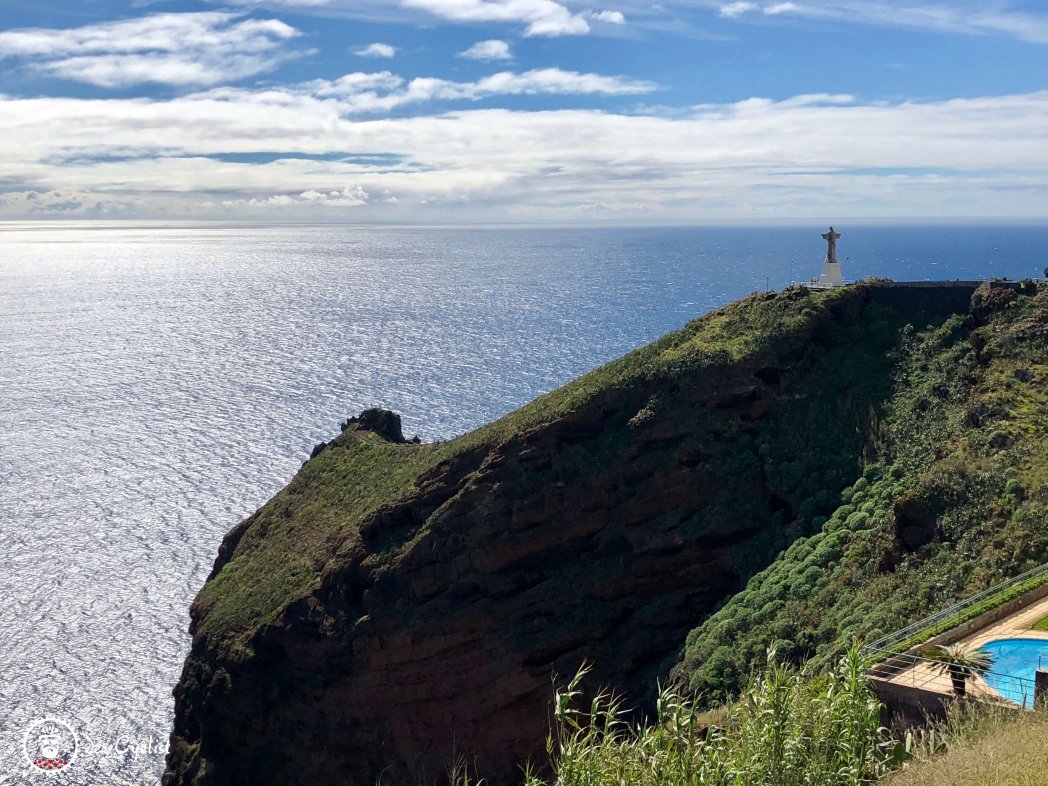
(831, 275)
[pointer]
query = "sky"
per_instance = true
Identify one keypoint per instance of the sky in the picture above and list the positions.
(494, 111)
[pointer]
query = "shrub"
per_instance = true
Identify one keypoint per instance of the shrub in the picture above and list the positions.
(857, 520)
(986, 300)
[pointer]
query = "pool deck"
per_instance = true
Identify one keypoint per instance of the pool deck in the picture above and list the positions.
(1018, 626)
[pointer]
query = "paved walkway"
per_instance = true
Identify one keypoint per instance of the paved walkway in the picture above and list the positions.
(1017, 626)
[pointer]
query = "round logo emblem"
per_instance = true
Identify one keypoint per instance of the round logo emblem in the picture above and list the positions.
(50, 744)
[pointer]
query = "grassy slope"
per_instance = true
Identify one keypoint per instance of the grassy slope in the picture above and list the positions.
(289, 541)
(295, 533)
(987, 481)
(1013, 752)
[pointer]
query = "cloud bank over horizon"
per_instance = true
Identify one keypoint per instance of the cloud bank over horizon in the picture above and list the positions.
(248, 114)
(717, 160)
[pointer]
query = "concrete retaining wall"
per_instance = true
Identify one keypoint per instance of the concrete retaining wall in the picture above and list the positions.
(921, 284)
(906, 706)
(984, 620)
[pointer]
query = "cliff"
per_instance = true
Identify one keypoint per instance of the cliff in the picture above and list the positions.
(399, 605)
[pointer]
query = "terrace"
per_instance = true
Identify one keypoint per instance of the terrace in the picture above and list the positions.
(1000, 620)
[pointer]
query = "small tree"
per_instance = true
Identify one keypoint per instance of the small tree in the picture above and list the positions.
(961, 662)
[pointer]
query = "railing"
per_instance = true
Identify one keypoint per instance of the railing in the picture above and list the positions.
(934, 675)
(958, 613)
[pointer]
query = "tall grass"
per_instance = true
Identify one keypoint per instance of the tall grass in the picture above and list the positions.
(786, 730)
(978, 744)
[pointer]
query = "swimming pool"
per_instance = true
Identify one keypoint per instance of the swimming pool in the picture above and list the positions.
(1016, 658)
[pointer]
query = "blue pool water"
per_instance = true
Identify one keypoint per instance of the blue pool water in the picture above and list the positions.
(1016, 658)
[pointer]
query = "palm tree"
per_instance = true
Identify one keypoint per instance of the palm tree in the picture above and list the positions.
(961, 662)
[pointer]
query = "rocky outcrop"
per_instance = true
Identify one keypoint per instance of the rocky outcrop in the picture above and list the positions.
(916, 522)
(380, 421)
(432, 626)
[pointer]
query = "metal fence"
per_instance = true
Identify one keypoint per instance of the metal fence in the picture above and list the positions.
(958, 613)
(934, 675)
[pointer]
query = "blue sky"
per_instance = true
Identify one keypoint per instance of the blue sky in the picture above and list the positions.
(523, 110)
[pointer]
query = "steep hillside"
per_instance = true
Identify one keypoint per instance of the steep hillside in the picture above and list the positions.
(998, 750)
(956, 502)
(400, 604)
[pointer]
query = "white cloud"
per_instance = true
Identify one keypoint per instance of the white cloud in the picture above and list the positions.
(493, 49)
(733, 10)
(611, 17)
(967, 17)
(348, 85)
(541, 17)
(737, 9)
(553, 81)
(175, 49)
(350, 196)
(781, 8)
(360, 93)
(377, 50)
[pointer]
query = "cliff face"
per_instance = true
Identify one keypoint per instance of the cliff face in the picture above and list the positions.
(399, 605)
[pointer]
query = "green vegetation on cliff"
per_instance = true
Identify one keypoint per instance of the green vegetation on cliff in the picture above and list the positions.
(285, 545)
(954, 500)
(279, 554)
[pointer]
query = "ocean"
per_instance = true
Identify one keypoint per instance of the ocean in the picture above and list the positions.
(159, 382)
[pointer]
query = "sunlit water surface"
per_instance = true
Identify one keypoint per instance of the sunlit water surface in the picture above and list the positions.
(158, 383)
(1015, 665)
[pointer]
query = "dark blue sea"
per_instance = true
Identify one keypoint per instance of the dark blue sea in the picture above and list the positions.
(158, 383)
